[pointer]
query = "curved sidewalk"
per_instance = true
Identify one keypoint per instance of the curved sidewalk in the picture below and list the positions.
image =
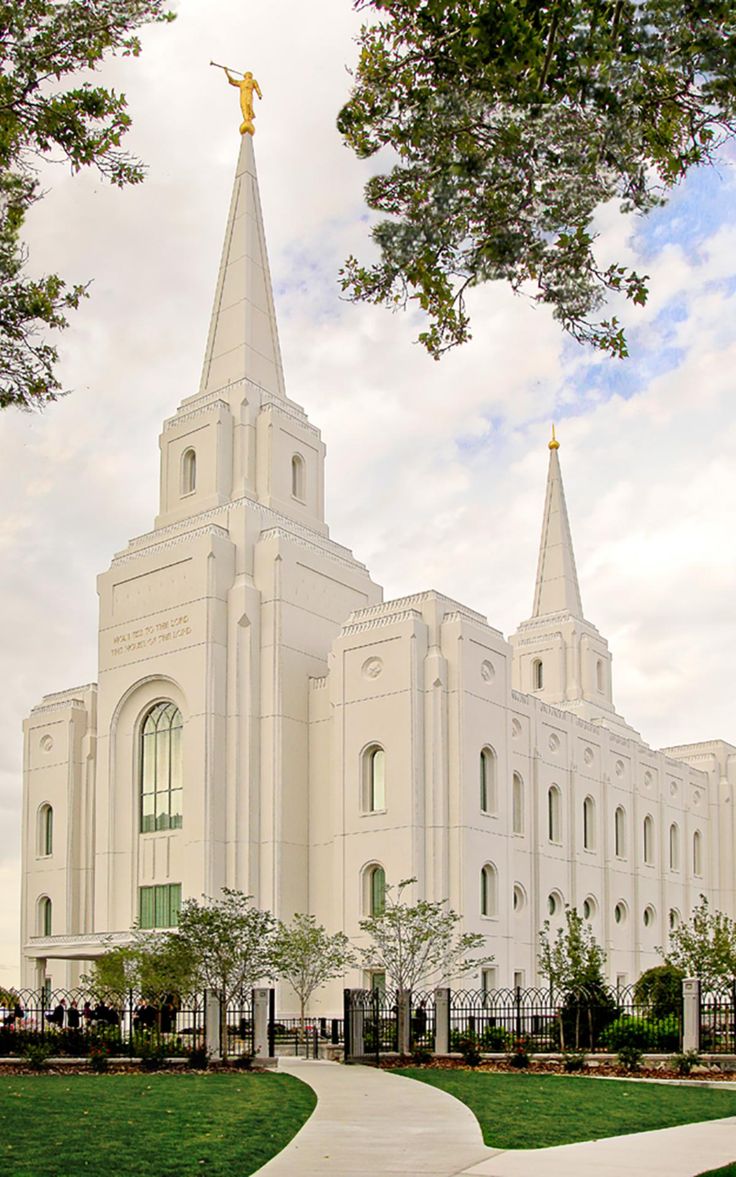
(370, 1123)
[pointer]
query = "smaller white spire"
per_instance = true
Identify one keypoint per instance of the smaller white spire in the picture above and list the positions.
(243, 339)
(557, 589)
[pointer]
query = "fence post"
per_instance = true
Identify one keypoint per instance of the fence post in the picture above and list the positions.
(212, 1024)
(261, 1003)
(403, 999)
(691, 1013)
(354, 1024)
(442, 1021)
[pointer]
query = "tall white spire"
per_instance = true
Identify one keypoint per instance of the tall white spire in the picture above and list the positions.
(243, 339)
(557, 589)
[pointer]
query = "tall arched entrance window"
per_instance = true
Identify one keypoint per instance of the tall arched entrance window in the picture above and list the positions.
(161, 768)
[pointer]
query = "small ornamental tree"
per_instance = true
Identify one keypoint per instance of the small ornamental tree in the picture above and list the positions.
(659, 991)
(417, 944)
(153, 965)
(307, 956)
(573, 963)
(704, 947)
(231, 945)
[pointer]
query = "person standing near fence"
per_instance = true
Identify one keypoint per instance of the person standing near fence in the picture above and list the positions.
(72, 1016)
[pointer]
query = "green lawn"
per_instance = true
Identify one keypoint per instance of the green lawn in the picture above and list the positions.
(538, 1111)
(147, 1125)
(726, 1171)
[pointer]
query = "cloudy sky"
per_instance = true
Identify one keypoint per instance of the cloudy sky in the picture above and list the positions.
(647, 444)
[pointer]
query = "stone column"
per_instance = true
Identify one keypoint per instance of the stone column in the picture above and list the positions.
(212, 1024)
(404, 1020)
(354, 1024)
(260, 1022)
(442, 1021)
(691, 1013)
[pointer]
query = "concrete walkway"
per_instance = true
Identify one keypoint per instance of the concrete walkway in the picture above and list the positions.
(371, 1123)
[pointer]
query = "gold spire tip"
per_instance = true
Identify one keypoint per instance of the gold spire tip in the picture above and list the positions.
(554, 444)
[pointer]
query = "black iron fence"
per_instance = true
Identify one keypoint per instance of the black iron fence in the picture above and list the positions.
(239, 1026)
(73, 1023)
(718, 1020)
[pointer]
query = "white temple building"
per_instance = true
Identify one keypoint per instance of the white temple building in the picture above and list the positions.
(264, 720)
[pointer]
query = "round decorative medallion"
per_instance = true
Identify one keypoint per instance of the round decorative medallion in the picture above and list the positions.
(487, 672)
(588, 756)
(619, 768)
(673, 788)
(372, 667)
(554, 742)
(515, 728)
(46, 743)
(696, 798)
(648, 779)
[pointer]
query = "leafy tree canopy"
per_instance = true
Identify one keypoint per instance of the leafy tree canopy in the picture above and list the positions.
(153, 965)
(571, 959)
(704, 947)
(513, 121)
(659, 990)
(307, 956)
(417, 944)
(230, 942)
(48, 113)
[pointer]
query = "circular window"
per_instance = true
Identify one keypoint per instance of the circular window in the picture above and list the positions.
(553, 903)
(590, 907)
(649, 916)
(619, 913)
(674, 919)
(519, 897)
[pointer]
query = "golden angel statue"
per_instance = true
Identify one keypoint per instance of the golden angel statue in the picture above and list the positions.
(247, 85)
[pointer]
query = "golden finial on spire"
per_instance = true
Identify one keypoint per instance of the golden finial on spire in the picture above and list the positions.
(247, 84)
(554, 444)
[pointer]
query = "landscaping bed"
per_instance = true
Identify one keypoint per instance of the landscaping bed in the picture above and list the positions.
(713, 1069)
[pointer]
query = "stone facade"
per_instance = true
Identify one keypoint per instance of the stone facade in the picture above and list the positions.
(318, 735)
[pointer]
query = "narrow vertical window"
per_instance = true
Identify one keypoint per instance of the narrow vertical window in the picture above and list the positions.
(297, 477)
(537, 674)
(161, 769)
(488, 780)
(599, 674)
(374, 779)
(376, 890)
(45, 917)
(619, 832)
(554, 823)
(648, 840)
(188, 472)
(589, 823)
(517, 805)
(674, 847)
(488, 890)
(45, 831)
(697, 853)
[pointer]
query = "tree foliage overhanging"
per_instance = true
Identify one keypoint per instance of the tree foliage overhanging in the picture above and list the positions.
(48, 112)
(513, 122)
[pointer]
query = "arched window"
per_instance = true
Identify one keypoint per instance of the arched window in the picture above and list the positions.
(488, 890)
(589, 823)
(674, 919)
(554, 815)
(374, 779)
(648, 840)
(44, 916)
(619, 832)
(599, 674)
(376, 890)
(188, 472)
(45, 831)
(674, 847)
(297, 477)
(161, 768)
(517, 805)
(537, 674)
(697, 853)
(488, 780)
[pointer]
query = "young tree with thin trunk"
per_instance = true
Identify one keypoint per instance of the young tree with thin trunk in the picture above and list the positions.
(307, 956)
(704, 947)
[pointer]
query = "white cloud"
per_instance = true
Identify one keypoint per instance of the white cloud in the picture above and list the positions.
(460, 445)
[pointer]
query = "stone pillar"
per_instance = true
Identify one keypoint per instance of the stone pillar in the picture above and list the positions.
(260, 1022)
(212, 1024)
(442, 1021)
(691, 1013)
(354, 1012)
(404, 1020)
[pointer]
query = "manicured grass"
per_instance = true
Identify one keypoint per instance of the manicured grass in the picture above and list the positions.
(147, 1125)
(538, 1111)
(726, 1171)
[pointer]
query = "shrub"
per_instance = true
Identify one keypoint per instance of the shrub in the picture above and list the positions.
(469, 1050)
(36, 1054)
(150, 1050)
(99, 1055)
(629, 1057)
(584, 1016)
(685, 1061)
(659, 989)
(520, 1055)
(420, 1057)
(199, 1058)
(661, 1034)
(495, 1038)
(242, 1062)
(573, 1060)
